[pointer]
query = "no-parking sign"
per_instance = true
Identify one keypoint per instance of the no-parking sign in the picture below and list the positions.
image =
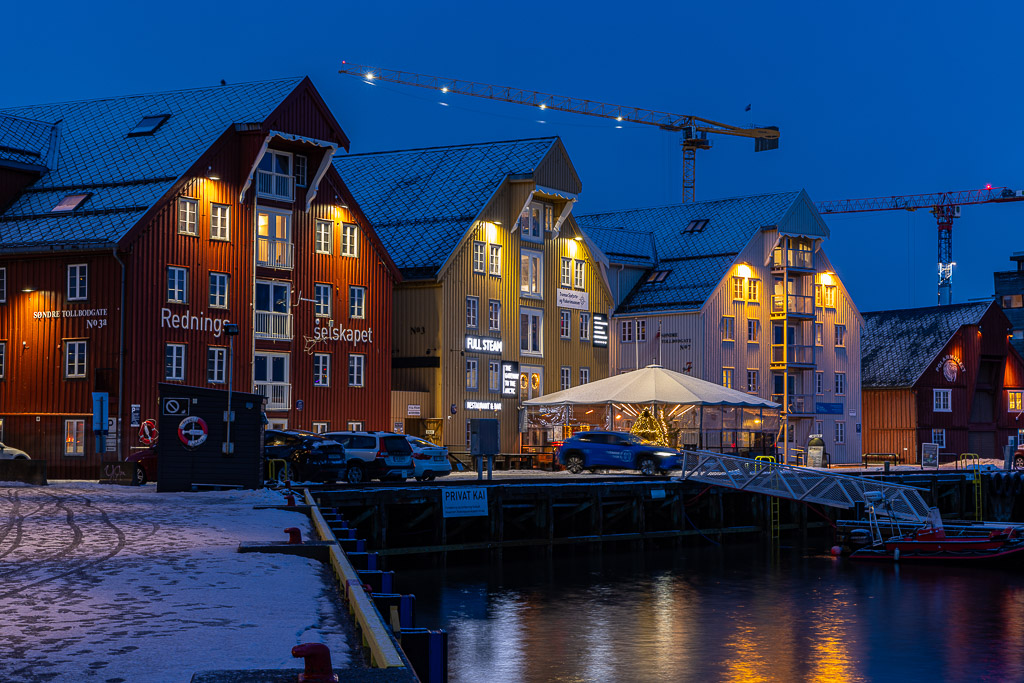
(192, 432)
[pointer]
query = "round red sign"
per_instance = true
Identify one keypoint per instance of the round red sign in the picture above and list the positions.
(192, 431)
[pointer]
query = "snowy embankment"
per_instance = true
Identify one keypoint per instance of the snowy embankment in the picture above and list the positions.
(113, 583)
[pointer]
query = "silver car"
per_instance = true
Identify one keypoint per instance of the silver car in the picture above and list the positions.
(429, 460)
(12, 453)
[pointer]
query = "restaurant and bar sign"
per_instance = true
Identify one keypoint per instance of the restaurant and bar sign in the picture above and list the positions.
(600, 329)
(483, 344)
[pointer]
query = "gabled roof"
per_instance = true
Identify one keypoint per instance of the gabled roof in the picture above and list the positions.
(422, 202)
(696, 260)
(124, 176)
(897, 346)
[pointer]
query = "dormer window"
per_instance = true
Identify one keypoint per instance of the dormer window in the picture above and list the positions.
(70, 203)
(148, 125)
(274, 176)
(657, 276)
(695, 226)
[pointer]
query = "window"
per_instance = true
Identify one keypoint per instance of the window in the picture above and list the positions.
(727, 375)
(1013, 301)
(148, 125)
(3, 359)
(218, 290)
(273, 307)
(658, 276)
(188, 216)
(356, 369)
(566, 272)
(70, 202)
(941, 400)
(626, 331)
(584, 375)
(322, 300)
(752, 381)
(565, 377)
(584, 326)
(356, 425)
(819, 427)
(564, 324)
(274, 175)
(753, 331)
(74, 359)
(817, 296)
(695, 226)
(469, 432)
(349, 240)
(579, 274)
(301, 168)
(738, 288)
(321, 369)
(216, 364)
(840, 336)
(1014, 399)
(177, 285)
(478, 257)
(74, 437)
(3, 285)
(535, 219)
(356, 302)
(728, 328)
(323, 242)
(472, 311)
(78, 282)
(220, 222)
(494, 315)
(494, 376)
(819, 334)
(174, 362)
(939, 437)
(531, 328)
(819, 382)
(641, 330)
(840, 384)
(840, 432)
(274, 239)
(829, 296)
(531, 277)
(320, 427)
(753, 290)
(495, 260)
(472, 373)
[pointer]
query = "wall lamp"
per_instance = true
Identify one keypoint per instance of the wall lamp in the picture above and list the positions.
(211, 174)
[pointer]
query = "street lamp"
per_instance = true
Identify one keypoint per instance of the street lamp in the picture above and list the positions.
(231, 330)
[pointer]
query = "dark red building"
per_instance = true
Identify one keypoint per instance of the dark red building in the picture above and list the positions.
(944, 374)
(134, 229)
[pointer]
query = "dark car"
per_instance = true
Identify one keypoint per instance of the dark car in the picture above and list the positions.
(146, 459)
(594, 449)
(308, 456)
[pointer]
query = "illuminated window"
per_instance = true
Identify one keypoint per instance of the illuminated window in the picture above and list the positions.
(584, 326)
(753, 331)
(74, 359)
(78, 282)
(819, 334)
(321, 369)
(174, 362)
(753, 384)
(356, 302)
(350, 240)
(753, 290)
(274, 238)
(531, 277)
(535, 219)
(323, 242)
(566, 272)
(322, 300)
(1015, 400)
(727, 377)
(472, 311)
(1013, 301)
(74, 437)
(356, 369)
(478, 257)
(829, 295)
(472, 373)
(188, 216)
(220, 222)
(177, 285)
(942, 400)
(495, 259)
(579, 274)
(69, 203)
(738, 288)
(531, 331)
(728, 328)
(216, 363)
(564, 324)
(817, 295)
(218, 290)
(148, 125)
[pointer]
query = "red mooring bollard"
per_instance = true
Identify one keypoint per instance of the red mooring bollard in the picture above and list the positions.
(294, 535)
(290, 499)
(318, 663)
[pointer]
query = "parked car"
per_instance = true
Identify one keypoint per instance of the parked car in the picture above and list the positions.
(429, 460)
(12, 453)
(375, 455)
(309, 456)
(146, 459)
(590, 450)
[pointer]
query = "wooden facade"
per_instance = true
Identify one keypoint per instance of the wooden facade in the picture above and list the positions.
(37, 401)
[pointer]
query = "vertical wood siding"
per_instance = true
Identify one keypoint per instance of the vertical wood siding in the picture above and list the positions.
(890, 423)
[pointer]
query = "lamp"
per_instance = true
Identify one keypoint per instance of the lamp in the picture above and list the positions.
(231, 330)
(211, 174)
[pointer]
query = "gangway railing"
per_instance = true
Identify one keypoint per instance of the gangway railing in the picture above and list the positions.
(901, 502)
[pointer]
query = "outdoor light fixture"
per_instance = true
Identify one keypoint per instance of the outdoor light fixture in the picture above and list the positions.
(211, 174)
(492, 232)
(572, 248)
(744, 270)
(444, 89)
(826, 278)
(28, 289)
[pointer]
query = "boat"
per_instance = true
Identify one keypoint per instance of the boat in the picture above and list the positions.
(933, 545)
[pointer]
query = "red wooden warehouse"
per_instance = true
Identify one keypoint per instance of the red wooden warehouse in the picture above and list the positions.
(946, 375)
(136, 231)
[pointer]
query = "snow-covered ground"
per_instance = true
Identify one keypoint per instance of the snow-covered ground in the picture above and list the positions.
(116, 583)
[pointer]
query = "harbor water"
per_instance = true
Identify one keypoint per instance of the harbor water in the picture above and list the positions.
(722, 613)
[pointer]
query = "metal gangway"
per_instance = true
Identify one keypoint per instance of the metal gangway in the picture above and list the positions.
(901, 502)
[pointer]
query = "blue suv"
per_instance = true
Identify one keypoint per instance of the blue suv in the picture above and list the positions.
(590, 450)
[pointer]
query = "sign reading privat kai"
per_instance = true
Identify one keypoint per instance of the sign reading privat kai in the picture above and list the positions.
(463, 501)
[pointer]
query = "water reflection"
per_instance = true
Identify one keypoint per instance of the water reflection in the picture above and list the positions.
(722, 614)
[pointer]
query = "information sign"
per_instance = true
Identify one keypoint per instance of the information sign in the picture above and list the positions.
(930, 455)
(600, 329)
(464, 501)
(509, 378)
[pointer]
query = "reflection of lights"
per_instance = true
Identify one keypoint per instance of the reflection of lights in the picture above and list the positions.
(618, 417)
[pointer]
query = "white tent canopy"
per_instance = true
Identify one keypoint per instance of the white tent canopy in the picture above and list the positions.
(651, 385)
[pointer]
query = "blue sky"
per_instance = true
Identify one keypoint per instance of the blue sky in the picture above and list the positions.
(885, 99)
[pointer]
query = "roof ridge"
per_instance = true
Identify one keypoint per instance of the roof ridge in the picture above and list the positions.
(686, 204)
(296, 79)
(468, 144)
(922, 309)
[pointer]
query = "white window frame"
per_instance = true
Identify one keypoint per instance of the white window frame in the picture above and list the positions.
(357, 370)
(76, 358)
(275, 176)
(356, 425)
(323, 237)
(753, 331)
(322, 299)
(494, 315)
(728, 328)
(840, 383)
(941, 441)
(753, 381)
(584, 325)
(819, 334)
(220, 222)
(1015, 400)
(78, 282)
(321, 369)
(494, 376)
(839, 335)
(472, 374)
(641, 330)
(349, 240)
(74, 438)
(753, 290)
(819, 383)
(472, 312)
(356, 302)
(942, 400)
(301, 179)
(188, 216)
(479, 262)
(274, 250)
(579, 274)
(739, 288)
(216, 364)
(584, 376)
(174, 362)
(216, 281)
(829, 296)
(321, 427)
(531, 273)
(494, 263)
(177, 285)
(564, 323)
(566, 272)
(534, 317)
(839, 431)
(626, 332)
(565, 377)
(728, 377)
(534, 220)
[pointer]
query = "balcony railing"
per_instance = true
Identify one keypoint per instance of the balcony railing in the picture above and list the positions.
(792, 305)
(802, 259)
(797, 404)
(278, 394)
(271, 325)
(793, 354)
(274, 253)
(274, 185)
